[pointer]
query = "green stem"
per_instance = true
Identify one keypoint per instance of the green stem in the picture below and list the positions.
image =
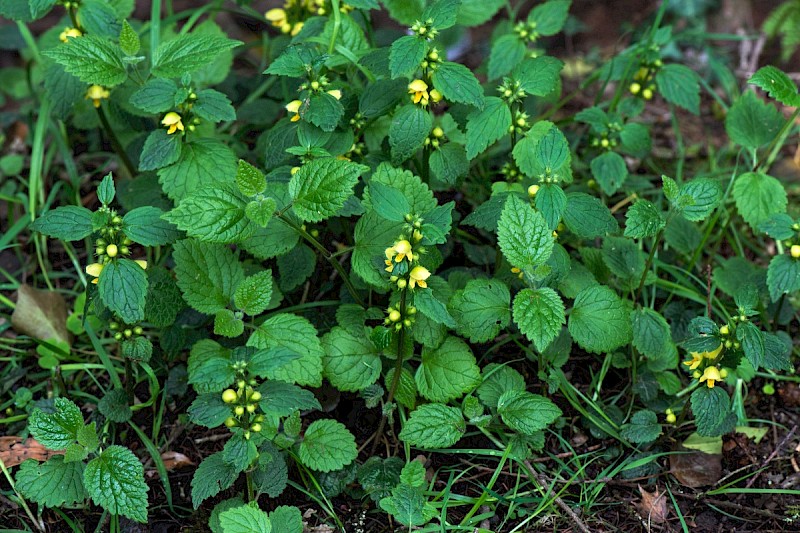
(337, 21)
(155, 27)
(648, 264)
(777, 143)
(250, 492)
(328, 257)
(398, 368)
(112, 136)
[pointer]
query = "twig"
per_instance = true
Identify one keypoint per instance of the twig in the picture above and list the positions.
(771, 456)
(540, 479)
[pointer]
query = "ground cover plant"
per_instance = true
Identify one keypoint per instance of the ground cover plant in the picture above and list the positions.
(337, 267)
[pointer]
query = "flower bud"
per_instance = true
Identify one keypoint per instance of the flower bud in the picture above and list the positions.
(230, 422)
(239, 410)
(229, 396)
(255, 396)
(112, 250)
(795, 251)
(255, 428)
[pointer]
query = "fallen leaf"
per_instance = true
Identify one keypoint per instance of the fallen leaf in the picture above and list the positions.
(695, 469)
(40, 314)
(173, 460)
(653, 508)
(15, 450)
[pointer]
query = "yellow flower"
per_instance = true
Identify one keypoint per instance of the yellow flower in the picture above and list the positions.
(173, 122)
(711, 375)
(69, 33)
(294, 107)
(436, 96)
(94, 270)
(419, 90)
(697, 357)
(296, 28)
(336, 93)
(96, 93)
(417, 276)
(277, 17)
(517, 271)
(142, 263)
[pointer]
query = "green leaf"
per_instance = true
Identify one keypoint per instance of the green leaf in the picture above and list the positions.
(244, 519)
(87, 437)
(327, 445)
(777, 85)
(712, 412)
(549, 17)
(388, 202)
(129, 40)
(405, 56)
(544, 151)
(481, 309)
(758, 197)
(429, 305)
(449, 163)
(652, 336)
(497, 380)
(98, 17)
(261, 211)
(679, 85)
(588, 217)
(321, 187)
(187, 53)
(62, 89)
(212, 476)
(250, 180)
(506, 53)
(123, 288)
(114, 406)
(408, 130)
(155, 96)
(92, 59)
(213, 106)
(408, 505)
(539, 76)
(298, 335)
(377, 476)
(752, 340)
(213, 215)
(670, 188)
(322, 110)
(160, 149)
(783, 276)
(447, 372)
(643, 219)
(239, 452)
(751, 122)
(476, 12)
(643, 428)
(58, 429)
(68, 223)
(115, 481)
(526, 412)
(201, 163)
(254, 293)
(138, 348)
(208, 274)
(600, 320)
(457, 83)
(636, 140)
(523, 235)
(442, 12)
(208, 410)
(54, 483)
(286, 519)
(551, 202)
(433, 425)
(539, 314)
(282, 399)
(778, 226)
(145, 226)
(705, 194)
(486, 126)
(610, 171)
(373, 234)
(227, 324)
(380, 97)
(624, 258)
(106, 190)
(164, 300)
(351, 363)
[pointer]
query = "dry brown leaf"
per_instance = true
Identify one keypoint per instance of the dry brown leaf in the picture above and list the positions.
(696, 469)
(40, 314)
(15, 450)
(653, 507)
(173, 460)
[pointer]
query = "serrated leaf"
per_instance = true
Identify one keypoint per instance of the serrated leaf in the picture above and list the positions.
(430, 306)
(539, 314)
(114, 406)
(449, 163)
(92, 59)
(752, 340)
(145, 226)
(497, 380)
(123, 289)
(129, 39)
(433, 425)
(644, 219)
(600, 320)
(610, 171)
(679, 85)
(282, 399)
(208, 274)
(378, 476)
(481, 309)
(458, 84)
(296, 60)
(351, 363)
(506, 53)
(447, 372)
(200, 163)
(58, 429)
(245, 519)
(523, 235)
(68, 223)
(208, 410)
(549, 17)
(187, 53)
(54, 483)
(213, 215)
(406, 54)
(486, 126)
(539, 76)
(249, 179)
(758, 196)
(212, 476)
(254, 293)
(298, 335)
(751, 122)
(286, 519)
(388, 202)
(408, 505)
(155, 96)
(160, 149)
(777, 85)
(551, 202)
(712, 411)
(705, 194)
(327, 445)
(652, 336)
(321, 187)
(642, 428)
(227, 324)
(408, 130)
(588, 217)
(783, 276)
(115, 481)
(526, 412)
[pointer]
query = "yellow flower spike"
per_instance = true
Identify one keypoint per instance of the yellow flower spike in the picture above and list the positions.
(69, 33)
(402, 250)
(173, 122)
(294, 107)
(142, 263)
(419, 91)
(94, 270)
(417, 276)
(711, 375)
(97, 93)
(713, 353)
(336, 93)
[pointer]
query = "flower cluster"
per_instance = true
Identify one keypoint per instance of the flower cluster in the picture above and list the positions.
(315, 86)
(244, 402)
(290, 18)
(97, 93)
(711, 372)
(420, 94)
(400, 259)
(643, 81)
